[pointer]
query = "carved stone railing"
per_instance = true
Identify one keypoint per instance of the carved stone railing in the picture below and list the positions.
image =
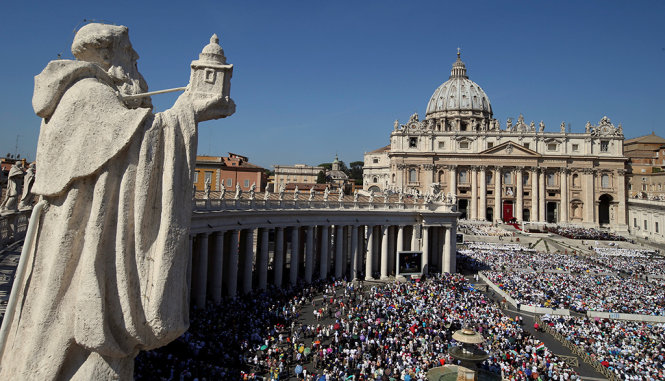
(13, 227)
(201, 205)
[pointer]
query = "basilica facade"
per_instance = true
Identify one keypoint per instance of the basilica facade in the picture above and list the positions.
(521, 172)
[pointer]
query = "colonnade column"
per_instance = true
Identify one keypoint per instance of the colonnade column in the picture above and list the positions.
(497, 194)
(339, 250)
(520, 195)
(474, 193)
(535, 214)
(354, 252)
(541, 196)
(370, 250)
(482, 208)
(217, 268)
(446, 251)
(453, 249)
(278, 263)
(248, 261)
(309, 254)
(384, 252)
(425, 257)
(589, 192)
(295, 250)
(453, 180)
(400, 238)
(621, 192)
(262, 259)
(323, 261)
(201, 270)
(232, 273)
(564, 195)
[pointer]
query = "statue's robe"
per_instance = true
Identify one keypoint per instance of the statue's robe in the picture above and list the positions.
(107, 274)
(13, 185)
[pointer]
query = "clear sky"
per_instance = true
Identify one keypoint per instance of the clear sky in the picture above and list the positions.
(316, 78)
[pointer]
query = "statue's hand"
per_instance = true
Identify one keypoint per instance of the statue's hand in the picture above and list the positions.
(206, 107)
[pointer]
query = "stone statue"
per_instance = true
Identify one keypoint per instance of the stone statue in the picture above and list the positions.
(532, 126)
(620, 129)
(385, 197)
(454, 198)
(108, 268)
(401, 196)
(509, 124)
(340, 196)
(238, 194)
(312, 192)
(28, 181)
(326, 193)
(355, 195)
(413, 118)
(396, 125)
(222, 192)
(371, 196)
(206, 189)
(13, 191)
(252, 191)
(587, 127)
(282, 188)
(266, 195)
(563, 127)
(296, 193)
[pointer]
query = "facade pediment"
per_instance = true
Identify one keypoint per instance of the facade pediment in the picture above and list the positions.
(510, 149)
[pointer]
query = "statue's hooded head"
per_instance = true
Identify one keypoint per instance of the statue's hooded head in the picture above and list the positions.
(109, 47)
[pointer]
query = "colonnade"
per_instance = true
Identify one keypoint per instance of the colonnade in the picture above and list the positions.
(238, 260)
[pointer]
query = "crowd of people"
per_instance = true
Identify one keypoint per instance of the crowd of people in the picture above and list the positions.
(582, 292)
(577, 232)
(630, 350)
(396, 331)
(631, 261)
(483, 230)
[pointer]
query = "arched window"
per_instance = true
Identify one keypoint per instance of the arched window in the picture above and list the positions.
(576, 180)
(605, 181)
(525, 178)
(507, 178)
(375, 179)
(463, 176)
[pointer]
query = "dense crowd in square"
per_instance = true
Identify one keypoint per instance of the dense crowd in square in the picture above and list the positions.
(631, 261)
(397, 331)
(578, 232)
(630, 350)
(483, 230)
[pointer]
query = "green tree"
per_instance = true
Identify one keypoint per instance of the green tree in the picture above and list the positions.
(327, 166)
(321, 178)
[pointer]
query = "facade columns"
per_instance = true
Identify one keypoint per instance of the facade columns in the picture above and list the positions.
(217, 268)
(589, 192)
(474, 193)
(520, 195)
(278, 262)
(453, 248)
(309, 254)
(541, 196)
(414, 240)
(400, 238)
(535, 203)
(339, 250)
(497, 194)
(248, 261)
(323, 260)
(201, 270)
(232, 273)
(384, 252)
(482, 202)
(445, 260)
(295, 251)
(621, 193)
(354, 252)
(564, 195)
(370, 250)
(425, 257)
(453, 180)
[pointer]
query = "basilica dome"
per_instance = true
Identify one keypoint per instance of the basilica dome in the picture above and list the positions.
(459, 93)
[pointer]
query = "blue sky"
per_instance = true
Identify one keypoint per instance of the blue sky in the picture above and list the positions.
(313, 78)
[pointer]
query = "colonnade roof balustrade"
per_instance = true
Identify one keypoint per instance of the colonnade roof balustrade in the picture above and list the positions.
(215, 213)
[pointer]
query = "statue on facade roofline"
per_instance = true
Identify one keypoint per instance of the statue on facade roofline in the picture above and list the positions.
(13, 191)
(222, 192)
(238, 194)
(396, 125)
(282, 189)
(326, 193)
(296, 193)
(108, 268)
(355, 195)
(28, 181)
(206, 189)
(252, 191)
(312, 192)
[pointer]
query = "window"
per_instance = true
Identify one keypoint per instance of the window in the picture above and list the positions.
(375, 160)
(442, 145)
(552, 147)
(208, 177)
(246, 183)
(645, 225)
(635, 222)
(604, 146)
(525, 179)
(413, 142)
(576, 180)
(229, 182)
(196, 177)
(527, 145)
(413, 176)
(656, 226)
(507, 178)
(464, 145)
(490, 145)
(375, 179)
(576, 147)
(488, 178)
(551, 179)
(605, 181)
(644, 187)
(630, 186)
(463, 176)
